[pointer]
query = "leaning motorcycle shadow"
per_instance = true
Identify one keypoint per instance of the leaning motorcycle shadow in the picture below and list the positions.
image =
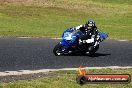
(94, 55)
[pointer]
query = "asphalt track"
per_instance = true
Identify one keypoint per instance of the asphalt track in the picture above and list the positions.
(36, 53)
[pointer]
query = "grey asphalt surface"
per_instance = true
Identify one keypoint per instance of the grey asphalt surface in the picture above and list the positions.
(36, 53)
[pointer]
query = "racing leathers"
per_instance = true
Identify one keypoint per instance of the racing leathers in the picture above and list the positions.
(89, 33)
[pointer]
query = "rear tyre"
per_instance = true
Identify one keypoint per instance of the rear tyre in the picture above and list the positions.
(57, 50)
(92, 50)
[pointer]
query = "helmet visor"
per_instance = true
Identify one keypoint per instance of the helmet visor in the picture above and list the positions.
(90, 25)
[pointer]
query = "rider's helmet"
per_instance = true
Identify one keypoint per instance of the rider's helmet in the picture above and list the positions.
(90, 24)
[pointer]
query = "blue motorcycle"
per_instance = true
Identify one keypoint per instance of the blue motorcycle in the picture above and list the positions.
(80, 45)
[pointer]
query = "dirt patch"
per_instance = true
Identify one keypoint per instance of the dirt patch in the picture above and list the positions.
(28, 2)
(12, 78)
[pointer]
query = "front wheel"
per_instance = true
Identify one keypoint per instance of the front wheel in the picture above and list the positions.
(57, 50)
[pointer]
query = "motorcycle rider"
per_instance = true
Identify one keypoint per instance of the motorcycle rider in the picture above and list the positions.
(89, 30)
(83, 32)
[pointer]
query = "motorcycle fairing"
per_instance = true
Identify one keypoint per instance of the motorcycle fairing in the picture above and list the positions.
(103, 36)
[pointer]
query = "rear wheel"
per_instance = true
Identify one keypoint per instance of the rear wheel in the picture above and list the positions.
(92, 50)
(57, 50)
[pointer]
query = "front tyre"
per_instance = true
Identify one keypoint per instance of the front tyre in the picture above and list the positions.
(57, 50)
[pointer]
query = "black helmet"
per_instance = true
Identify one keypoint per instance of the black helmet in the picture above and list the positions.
(90, 24)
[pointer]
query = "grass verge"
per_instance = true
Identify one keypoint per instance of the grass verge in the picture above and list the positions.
(48, 18)
(68, 80)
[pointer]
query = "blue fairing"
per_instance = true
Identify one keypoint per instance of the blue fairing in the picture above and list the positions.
(64, 43)
(103, 36)
(67, 38)
(67, 30)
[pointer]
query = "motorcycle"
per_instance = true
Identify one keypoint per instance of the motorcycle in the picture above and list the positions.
(81, 45)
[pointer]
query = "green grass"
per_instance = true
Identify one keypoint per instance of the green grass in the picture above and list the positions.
(115, 1)
(68, 81)
(49, 18)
